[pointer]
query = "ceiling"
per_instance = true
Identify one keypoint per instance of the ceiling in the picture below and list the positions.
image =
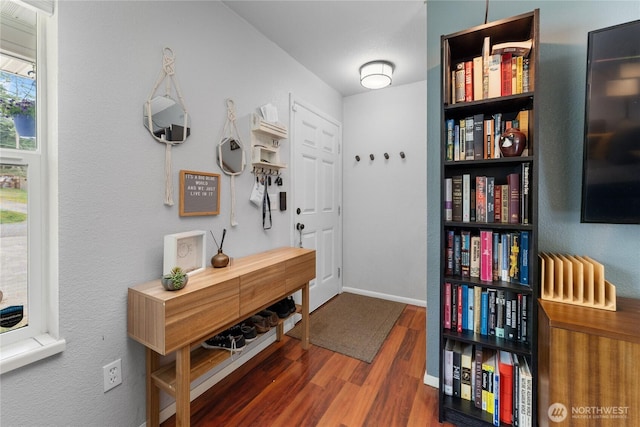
(333, 38)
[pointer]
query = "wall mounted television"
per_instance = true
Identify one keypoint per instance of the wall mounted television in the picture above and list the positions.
(611, 162)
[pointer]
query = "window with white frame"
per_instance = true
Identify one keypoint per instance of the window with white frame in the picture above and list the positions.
(28, 319)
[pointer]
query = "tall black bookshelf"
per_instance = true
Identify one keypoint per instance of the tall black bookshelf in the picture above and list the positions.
(517, 104)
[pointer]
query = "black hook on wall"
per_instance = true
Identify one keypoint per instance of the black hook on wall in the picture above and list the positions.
(357, 158)
(402, 156)
(371, 156)
(386, 156)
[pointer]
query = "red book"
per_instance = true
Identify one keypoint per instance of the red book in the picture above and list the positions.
(505, 68)
(513, 180)
(447, 305)
(481, 199)
(468, 81)
(505, 367)
(486, 255)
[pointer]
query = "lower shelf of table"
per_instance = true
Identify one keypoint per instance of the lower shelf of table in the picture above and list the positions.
(202, 361)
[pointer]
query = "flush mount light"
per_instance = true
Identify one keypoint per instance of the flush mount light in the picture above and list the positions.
(376, 74)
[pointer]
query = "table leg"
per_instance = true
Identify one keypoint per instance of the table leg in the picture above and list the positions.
(183, 386)
(305, 316)
(153, 393)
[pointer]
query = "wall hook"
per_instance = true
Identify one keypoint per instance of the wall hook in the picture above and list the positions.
(402, 154)
(386, 156)
(357, 158)
(371, 156)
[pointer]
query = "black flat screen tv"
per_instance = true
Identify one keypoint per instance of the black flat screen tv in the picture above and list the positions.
(611, 162)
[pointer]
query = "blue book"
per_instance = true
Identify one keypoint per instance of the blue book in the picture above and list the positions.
(470, 316)
(449, 153)
(524, 257)
(465, 306)
(456, 142)
(484, 314)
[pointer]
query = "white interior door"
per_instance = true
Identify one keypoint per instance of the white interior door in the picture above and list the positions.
(317, 183)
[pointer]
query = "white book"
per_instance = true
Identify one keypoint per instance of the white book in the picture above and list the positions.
(466, 200)
(448, 368)
(494, 73)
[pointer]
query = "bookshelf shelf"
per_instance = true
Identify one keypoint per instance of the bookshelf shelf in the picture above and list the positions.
(489, 282)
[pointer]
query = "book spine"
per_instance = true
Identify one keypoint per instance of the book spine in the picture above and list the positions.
(525, 75)
(463, 320)
(500, 304)
(486, 53)
(477, 78)
(524, 209)
(466, 198)
(486, 257)
(449, 150)
(504, 218)
(491, 326)
(497, 131)
(465, 254)
(478, 137)
(463, 140)
(484, 313)
(481, 199)
(496, 257)
(495, 89)
(460, 309)
(469, 144)
(497, 203)
(524, 258)
(505, 68)
(457, 255)
(449, 265)
(447, 305)
(448, 199)
(513, 181)
(477, 396)
(490, 199)
(456, 184)
(477, 312)
(525, 318)
(468, 81)
(471, 309)
(519, 60)
(456, 142)
(454, 307)
(474, 269)
(459, 82)
(514, 258)
(457, 365)
(448, 369)
(488, 138)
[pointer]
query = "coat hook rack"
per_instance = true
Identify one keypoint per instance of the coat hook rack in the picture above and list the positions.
(402, 156)
(371, 156)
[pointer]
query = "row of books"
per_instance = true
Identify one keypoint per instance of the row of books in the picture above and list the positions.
(488, 256)
(499, 313)
(501, 71)
(496, 381)
(484, 199)
(477, 137)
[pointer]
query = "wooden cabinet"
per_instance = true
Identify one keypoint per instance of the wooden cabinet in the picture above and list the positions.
(177, 322)
(587, 370)
(467, 209)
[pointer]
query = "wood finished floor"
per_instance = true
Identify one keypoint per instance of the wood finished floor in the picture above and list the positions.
(287, 386)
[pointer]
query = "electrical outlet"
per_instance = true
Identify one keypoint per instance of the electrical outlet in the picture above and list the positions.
(112, 374)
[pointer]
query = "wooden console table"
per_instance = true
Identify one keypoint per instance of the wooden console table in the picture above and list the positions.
(587, 363)
(213, 300)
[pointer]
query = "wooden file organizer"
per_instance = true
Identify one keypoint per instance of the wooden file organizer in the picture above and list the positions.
(577, 280)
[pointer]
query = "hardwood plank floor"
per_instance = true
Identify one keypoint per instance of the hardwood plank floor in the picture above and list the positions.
(287, 386)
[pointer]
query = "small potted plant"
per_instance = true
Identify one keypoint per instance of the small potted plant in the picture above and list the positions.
(175, 280)
(23, 113)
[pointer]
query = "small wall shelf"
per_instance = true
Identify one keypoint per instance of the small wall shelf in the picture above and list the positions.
(265, 145)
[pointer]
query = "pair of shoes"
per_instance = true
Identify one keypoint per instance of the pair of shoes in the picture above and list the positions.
(249, 332)
(225, 342)
(259, 323)
(284, 308)
(270, 315)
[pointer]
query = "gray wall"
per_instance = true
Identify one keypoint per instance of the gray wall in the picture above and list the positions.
(385, 238)
(112, 217)
(563, 35)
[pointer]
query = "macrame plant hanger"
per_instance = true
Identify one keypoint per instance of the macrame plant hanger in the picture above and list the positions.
(168, 63)
(228, 131)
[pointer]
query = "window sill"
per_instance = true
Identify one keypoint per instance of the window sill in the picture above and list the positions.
(31, 350)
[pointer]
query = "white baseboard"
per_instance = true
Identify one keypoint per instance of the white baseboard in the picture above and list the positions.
(412, 301)
(430, 380)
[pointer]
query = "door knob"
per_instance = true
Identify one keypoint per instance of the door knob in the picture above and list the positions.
(299, 226)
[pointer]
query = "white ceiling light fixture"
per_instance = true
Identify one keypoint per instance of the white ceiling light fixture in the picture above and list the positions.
(376, 74)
